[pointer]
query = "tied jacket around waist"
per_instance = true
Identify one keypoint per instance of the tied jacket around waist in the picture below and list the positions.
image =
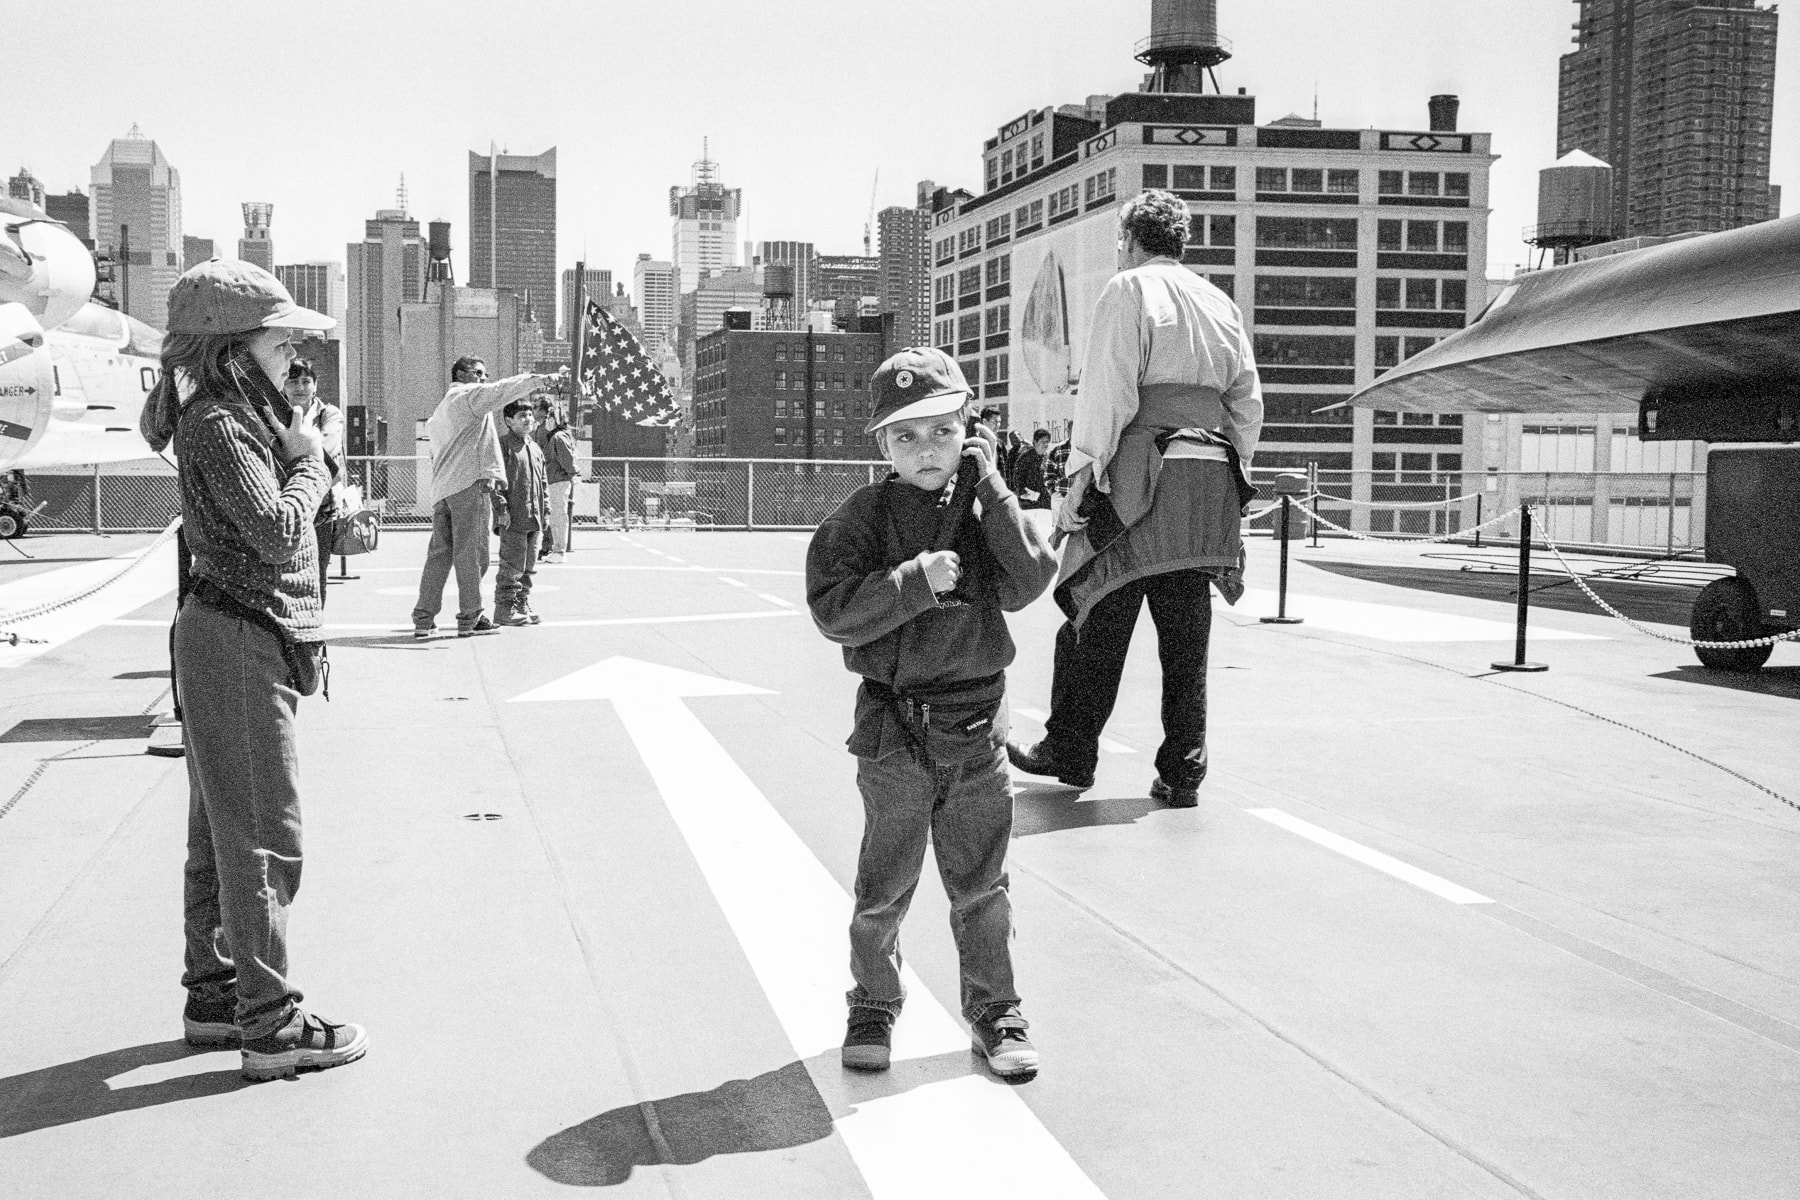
(1168, 417)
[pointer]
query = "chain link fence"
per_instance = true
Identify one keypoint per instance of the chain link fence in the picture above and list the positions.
(1665, 512)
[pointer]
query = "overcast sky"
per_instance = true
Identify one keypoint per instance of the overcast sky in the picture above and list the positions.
(320, 107)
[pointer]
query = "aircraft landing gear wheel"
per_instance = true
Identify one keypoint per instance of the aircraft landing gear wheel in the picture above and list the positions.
(1726, 611)
(11, 526)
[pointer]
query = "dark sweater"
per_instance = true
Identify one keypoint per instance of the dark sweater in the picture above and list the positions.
(868, 593)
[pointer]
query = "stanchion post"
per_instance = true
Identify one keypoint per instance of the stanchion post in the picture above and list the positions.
(1312, 490)
(1518, 663)
(1286, 485)
(1478, 520)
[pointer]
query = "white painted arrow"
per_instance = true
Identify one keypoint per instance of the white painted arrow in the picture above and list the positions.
(917, 1131)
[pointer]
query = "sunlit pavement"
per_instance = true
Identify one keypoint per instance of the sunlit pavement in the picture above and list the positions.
(1433, 930)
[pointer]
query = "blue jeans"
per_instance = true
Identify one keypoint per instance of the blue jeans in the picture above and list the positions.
(966, 808)
(518, 563)
(459, 538)
(243, 851)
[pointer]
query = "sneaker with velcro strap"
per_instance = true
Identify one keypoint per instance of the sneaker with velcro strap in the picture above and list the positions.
(868, 1042)
(1000, 1038)
(307, 1043)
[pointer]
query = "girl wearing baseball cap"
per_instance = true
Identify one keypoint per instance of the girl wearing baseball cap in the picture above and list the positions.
(248, 645)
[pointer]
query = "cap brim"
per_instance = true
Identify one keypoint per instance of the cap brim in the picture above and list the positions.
(300, 318)
(931, 406)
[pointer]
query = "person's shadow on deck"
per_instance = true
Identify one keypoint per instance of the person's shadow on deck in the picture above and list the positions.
(1051, 807)
(79, 1091)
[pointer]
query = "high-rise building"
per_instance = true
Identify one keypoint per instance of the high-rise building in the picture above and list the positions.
(319, 286)
(196, 250)
(705, 224)
(787, 394)
(26, 186)
(905, 279)
(385, 270)
(72, 209)
(512, 227)
(654, 286)
(135, 220)
(255, 246)
(596, 282)
(1348, 249)
(802, 258)
(1677, 96)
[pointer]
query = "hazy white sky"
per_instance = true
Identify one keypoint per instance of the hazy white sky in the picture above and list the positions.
(320, 107)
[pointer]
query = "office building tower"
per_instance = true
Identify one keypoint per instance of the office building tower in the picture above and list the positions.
(595, 282)
(1677, 96)
(72, 209)
(705, 217)
(654, 286)
(905, 278)
(804, 261)
(319, 286)
(512, 227)
(786, 394)
(255, 247)
(194, 251)
(26, 186)
(385, 270)
(135, 215)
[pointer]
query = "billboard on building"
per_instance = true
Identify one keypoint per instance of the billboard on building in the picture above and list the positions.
(1056, 278)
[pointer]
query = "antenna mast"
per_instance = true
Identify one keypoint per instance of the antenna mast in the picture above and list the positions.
(868, 224)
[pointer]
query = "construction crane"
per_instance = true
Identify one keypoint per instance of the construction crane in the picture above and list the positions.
(869, 225)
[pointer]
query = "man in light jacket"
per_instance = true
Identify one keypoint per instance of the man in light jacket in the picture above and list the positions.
(465, 468)
(1167, 419)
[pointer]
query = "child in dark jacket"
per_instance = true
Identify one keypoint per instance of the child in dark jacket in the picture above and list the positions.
(911, 576)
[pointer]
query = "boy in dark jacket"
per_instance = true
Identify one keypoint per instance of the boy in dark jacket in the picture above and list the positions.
(911, 576)
(521, 513)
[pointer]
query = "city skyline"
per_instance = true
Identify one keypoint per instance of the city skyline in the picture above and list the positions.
(804, 170)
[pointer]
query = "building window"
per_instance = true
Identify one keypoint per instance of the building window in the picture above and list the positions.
(999, 270)
(837, 381)
(1421, 183)
(1037, 151)
(780, 351)
(818, 409)
(946, 251)
(1308, 179)
(1422, 237)
(1343, 183)
(1188, 177)
(837, 437)
(1455, 293)
(1271, 179)
(1306, 233)
(1156, 175)
(1225, 283)
(1305, 291)
(1421, 293)
(1390, 183)
(1223, 230)
(1557, 448)
(968, 280)
(1000, 228)
(837, 410)
(1387, 293)
(997, 367)
(781, 435)
(837, 354)
(1413, 345)
(993, 172)
(781, 380)
(1387, 354)
(1305, 350)
(1456, 183)
(997, 319)
(1224, 179)
(1456, 237)
(944, 289)
(1006, 166)
(971, 369)
(1387, 235)
(944, 333)
(781, 406)
(969, 240)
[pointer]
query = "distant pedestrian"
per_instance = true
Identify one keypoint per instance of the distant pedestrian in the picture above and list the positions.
(465, 470)
(1168, 417)
(558, 444)
(1027, 478)
(1056, 475)
(521, 514)
(912, 577)
(302, 392)
(248, 645)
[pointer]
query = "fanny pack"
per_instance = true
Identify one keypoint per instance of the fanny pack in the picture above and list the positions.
(309, 668)
(945, 724)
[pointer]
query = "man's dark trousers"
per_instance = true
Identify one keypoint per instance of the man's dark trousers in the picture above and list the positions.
(1085, 683)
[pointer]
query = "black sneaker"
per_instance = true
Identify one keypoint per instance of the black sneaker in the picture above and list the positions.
(1175, 797)
(1000, 1038)
(868, 1042)
(530, 614)
(210, 1024)
(1036, 759)
(481, 625)
(423, 632)
(307, 1043)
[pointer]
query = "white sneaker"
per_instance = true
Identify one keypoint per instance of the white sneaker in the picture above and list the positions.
(552, 557)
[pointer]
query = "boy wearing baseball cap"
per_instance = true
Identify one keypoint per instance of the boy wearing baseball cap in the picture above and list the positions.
(911, 576)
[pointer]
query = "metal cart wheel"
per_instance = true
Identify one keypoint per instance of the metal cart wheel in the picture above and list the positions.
(10, 524)
(1726, 611)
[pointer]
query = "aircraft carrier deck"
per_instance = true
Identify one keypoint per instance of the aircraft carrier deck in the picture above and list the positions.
(1433, 931)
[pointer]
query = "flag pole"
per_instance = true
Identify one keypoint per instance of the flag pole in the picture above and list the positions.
(577, 345)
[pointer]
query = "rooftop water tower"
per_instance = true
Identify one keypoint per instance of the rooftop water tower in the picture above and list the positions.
(1574, 205)
(1184, 45)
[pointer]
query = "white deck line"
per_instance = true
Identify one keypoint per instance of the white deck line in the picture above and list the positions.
(1407, 873)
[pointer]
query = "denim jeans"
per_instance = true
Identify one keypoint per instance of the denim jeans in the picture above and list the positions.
(966, 808)
(243, 852)
(556, 541)
(518, 563)
(1084, 683)
(459, 538)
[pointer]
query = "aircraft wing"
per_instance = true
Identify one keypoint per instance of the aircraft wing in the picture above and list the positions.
(1706, 313)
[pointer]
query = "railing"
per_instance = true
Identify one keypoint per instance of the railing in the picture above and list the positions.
(1662, 511)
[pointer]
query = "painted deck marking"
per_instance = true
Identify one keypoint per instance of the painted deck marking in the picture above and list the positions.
(1436, 885)
(151, 581)
(967, 1135)
(774, 599)
(1392, 622)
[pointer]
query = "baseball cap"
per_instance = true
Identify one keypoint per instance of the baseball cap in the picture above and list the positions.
(916, 383)
(224, 295)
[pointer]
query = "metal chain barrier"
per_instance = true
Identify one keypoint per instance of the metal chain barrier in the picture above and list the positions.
(1260, 513)
(1397, 503)
(1610, 611)
(49, 606)
(1436, 537)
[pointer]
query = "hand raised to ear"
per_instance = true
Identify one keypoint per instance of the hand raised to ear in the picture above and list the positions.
(300, 437)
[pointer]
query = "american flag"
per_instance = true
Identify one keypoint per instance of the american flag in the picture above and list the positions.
(618, 376)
